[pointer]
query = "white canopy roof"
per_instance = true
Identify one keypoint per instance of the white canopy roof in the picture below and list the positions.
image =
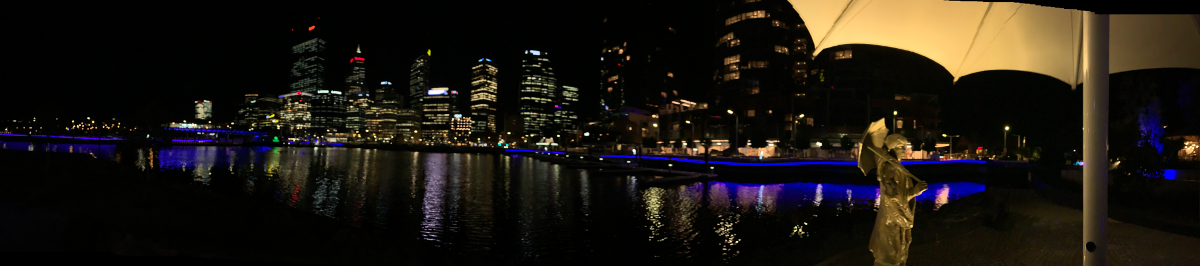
(969, 37)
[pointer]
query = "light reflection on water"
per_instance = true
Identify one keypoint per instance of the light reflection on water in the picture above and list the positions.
(521, 208)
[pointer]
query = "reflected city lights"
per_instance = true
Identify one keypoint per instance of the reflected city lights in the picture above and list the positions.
(516, 207)
(943, 197)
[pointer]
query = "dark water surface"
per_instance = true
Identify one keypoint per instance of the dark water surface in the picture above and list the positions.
(519, 208)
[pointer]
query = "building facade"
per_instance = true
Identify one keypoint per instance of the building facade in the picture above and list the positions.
(295, 116)
(312, 74)
(357, 92)
(438, 107)
(408, 126)
(761, 59)
(257, 112)
(538, 93)
(380, 123)
(638, 57)
(565, 111)
(460, 129)
(418, 83)
(483, 98)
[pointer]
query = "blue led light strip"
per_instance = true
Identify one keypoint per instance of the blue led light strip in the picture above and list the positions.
(780, 164)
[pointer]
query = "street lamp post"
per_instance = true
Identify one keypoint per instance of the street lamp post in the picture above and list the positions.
(951, 144)
(689, 122)
(736, 125)
(1005, 141)
(894, 128)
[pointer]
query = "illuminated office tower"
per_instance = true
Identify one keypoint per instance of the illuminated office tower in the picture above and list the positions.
(564, 111)
(538, 87)
(387, 94)
(483, 99)
(311, 73)
(460, 128)
(379, 123)
(438, 107)
(257, 112)
(295, 114)
(203, 110)
(639, 56)
(357, 92)
(761, 57)
(418, 83)
(408, 125)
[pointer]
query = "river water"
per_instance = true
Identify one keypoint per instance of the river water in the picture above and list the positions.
(520, 208)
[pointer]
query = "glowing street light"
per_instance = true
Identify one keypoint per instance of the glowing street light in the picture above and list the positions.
(1005, 140)
(736, 124)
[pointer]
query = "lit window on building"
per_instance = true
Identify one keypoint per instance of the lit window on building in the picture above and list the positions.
(754, 90)
(733, 59)
(609, 89)
(841, 55)
(781, 49)
(749, 113)
(903, 97)
(731, 76)
(744, 16)
(725, 38)
(751, 1)
(669, 75)
(899, 123)
(735, 43)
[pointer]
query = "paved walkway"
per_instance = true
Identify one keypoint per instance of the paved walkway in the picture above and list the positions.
(1037, 233)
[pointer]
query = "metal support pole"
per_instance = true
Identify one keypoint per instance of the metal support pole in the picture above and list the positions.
(1095, 138)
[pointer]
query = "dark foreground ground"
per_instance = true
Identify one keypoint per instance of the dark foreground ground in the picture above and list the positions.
(82, 209)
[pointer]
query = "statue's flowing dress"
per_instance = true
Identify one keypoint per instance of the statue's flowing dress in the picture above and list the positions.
(894, 222)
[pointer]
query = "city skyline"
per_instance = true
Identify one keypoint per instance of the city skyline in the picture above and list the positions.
(249, 53)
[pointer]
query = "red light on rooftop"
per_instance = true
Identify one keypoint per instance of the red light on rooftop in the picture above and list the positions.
(310, 28)
(297, 93)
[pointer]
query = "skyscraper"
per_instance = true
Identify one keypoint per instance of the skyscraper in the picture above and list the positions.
(483, 98)
(439, 106)
(538, 92)
(761, 56)
(564, 111)
(312, 74)
(256, 112)
(418, 83)
(356, 89)
(386, 93)
(639, 57)
(295, 116)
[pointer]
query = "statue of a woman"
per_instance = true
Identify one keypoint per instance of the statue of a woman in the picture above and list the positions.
(898, 190)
